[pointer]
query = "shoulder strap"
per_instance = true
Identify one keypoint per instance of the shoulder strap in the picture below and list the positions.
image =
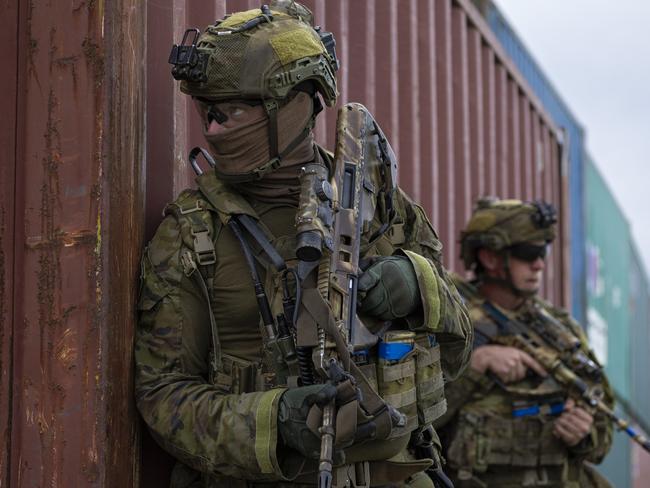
(260, 236)
(223, 199)
(190, 269)
(199, 228)
(230, 204)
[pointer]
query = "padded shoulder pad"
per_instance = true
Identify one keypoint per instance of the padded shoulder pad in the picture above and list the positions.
(224, 200)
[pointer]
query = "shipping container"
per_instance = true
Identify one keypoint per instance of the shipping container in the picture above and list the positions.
(608, 311)
(639, 304)
(94, 143)
(72, 218)
(564, 118)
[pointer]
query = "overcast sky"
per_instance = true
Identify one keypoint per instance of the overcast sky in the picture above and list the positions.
(597, 54)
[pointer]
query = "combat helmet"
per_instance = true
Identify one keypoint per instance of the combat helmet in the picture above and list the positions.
(260, 56)
(500, 224)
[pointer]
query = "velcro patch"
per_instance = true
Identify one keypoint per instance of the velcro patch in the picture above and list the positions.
(296, 44)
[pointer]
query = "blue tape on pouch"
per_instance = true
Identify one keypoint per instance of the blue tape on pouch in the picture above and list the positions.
(526, 411)
(394, 351)
(554, 409)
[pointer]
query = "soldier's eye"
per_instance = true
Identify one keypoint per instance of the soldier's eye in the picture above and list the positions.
(236, 112)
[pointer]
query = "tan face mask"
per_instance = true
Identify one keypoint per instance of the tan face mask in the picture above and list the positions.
(239, 151)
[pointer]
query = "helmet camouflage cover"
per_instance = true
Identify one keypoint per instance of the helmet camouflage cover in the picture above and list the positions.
(260, 54)
(499, 224)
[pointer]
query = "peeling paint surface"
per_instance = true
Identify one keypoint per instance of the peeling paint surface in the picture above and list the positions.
(62, 353)
(55, 410)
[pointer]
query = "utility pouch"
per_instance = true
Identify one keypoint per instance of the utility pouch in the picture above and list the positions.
(430, 384)
(488, 440)
(239, 376)
(526, 442)
(396, 375)
(468, 448)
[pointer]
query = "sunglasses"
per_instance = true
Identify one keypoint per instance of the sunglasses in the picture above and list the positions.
(528, 252)
(217, 109)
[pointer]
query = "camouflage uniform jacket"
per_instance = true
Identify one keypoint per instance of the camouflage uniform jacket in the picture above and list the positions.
(232, 435)
(487, 446)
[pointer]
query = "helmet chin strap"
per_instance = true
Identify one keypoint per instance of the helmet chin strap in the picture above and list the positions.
(271, 107)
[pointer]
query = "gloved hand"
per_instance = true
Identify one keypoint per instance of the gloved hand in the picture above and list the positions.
(388, 289)
(300, 417)
(293, 411)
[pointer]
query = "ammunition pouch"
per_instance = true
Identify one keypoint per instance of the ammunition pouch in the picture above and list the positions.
(396, 385)
(429, 381)
(484, 440)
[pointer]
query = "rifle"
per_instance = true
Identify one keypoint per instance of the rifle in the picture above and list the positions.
(581, 380)
(333, 214)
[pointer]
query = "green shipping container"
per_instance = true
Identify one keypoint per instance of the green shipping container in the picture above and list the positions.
(639, 305)
(608, 313)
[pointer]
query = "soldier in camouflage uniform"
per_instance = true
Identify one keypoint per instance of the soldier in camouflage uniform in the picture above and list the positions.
(202, 384)
(508, 423)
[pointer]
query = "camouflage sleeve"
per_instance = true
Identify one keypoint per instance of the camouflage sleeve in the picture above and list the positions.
(213, 432)
(444, 311)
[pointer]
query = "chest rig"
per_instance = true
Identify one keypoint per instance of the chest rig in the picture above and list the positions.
(413, 384)
(512, 425)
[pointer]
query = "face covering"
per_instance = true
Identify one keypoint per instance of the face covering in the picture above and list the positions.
(242, 149)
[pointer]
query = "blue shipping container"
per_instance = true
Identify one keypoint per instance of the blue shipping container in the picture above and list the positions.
(562, 116)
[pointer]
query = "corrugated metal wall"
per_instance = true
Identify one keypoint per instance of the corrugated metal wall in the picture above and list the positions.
(71, 132)
(564, 118)
(8, 128)
(75, 187)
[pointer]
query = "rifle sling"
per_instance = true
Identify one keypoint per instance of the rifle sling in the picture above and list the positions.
(502, 321)
(260, 237)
